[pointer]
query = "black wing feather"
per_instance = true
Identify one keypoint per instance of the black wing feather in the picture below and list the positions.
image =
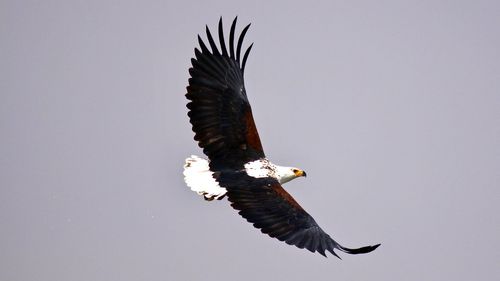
(240, 41)
(245, 58)
(219, 110)
(231, 38)
(215, 50)
(221, 39)
(265, 204)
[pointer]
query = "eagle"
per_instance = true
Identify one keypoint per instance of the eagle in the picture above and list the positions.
(237, 167)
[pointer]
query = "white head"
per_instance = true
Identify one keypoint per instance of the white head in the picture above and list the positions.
(286, 174)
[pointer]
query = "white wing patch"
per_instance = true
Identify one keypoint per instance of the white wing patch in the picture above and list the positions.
(198, 177)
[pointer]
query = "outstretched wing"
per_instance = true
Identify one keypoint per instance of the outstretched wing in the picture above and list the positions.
(265, 204)
(220, 113)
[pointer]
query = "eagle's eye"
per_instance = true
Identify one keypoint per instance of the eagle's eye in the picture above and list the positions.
(295, 171)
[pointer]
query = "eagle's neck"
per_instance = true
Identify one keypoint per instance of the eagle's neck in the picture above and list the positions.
(263, 168)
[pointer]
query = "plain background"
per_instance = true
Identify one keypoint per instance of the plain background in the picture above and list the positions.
(392, 108)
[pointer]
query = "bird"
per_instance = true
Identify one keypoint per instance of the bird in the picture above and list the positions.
(221, 118)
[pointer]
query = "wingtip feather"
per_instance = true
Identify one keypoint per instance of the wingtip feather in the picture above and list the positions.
(362, 250)
(240, 42)
(221, 38)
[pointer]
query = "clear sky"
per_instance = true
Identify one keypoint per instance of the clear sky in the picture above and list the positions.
(392, 108)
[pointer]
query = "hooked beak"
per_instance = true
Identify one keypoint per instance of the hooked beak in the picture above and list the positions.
(300, 173)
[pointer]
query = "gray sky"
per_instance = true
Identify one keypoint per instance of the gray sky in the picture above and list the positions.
(392, 108)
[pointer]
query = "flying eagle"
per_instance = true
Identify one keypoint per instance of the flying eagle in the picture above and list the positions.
(237, 167)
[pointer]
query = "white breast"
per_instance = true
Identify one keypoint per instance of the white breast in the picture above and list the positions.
(261, 168)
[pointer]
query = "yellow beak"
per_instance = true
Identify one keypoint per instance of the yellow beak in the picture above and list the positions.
(300, 173)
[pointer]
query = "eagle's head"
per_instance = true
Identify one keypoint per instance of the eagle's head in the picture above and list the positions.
(286, 174)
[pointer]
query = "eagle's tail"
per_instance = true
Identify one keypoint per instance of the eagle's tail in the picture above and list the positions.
(199, 178)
